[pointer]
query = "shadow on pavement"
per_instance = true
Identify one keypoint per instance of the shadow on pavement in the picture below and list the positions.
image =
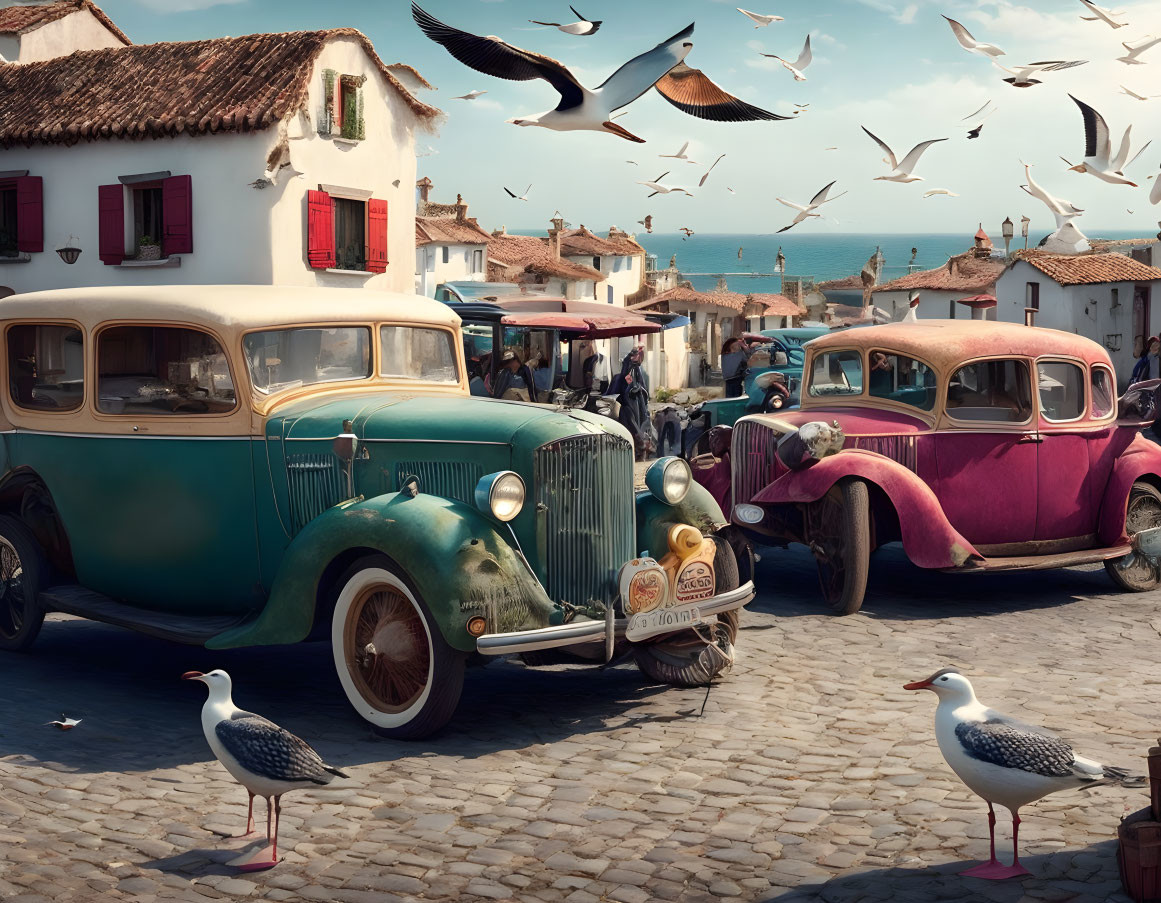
(1050, 880)
(788, 582)
(137, 714)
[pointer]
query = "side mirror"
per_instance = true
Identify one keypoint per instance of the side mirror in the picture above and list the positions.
(346, 444)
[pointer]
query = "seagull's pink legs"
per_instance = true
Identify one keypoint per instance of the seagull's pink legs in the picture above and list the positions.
(993, 870)
(267, 856)
(250, 817)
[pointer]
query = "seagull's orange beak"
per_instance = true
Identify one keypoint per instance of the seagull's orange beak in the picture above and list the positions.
(917, 685)
(192, 675)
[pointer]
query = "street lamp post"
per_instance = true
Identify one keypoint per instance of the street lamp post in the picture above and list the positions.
(1009, 230)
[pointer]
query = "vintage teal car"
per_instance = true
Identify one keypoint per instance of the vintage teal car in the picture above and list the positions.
(245, 466)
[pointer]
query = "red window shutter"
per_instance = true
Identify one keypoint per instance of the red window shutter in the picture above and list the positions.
(111, 221)
(320, 230)
(29, 214)
(377, 236)
(177, 215)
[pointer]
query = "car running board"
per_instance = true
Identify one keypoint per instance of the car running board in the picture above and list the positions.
(1042, 562)
(192, 630)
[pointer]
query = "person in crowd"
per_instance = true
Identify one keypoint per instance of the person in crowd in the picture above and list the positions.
(542, 375)
(514, 381)
(594, 370)
(632, 390)
(735, 362)
(1147, 366)
(879, 380)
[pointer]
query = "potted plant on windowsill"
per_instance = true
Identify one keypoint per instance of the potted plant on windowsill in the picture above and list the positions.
(148, 248)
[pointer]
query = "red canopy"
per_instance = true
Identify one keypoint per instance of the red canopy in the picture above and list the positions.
(979, 302)
(579, 319)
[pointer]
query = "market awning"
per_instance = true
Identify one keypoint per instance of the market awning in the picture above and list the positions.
(584, 326)
(979, 302)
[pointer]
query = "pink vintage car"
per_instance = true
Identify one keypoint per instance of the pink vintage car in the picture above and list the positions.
(979, 445)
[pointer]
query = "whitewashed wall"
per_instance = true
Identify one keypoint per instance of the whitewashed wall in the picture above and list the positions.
(623, 275)
(933, 305)
(80, 30)
(431, 270)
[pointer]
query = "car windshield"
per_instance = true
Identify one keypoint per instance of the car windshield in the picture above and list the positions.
(996, 390)
(837, 373)
(411, 352)
(282, 359)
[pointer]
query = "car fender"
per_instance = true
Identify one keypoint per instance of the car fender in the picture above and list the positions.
(452, 554)
(1141, 459)
(655, 518)
(929, 539)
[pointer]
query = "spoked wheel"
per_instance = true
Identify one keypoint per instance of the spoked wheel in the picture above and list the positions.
(21, 579)
(839, 532)
(692, 658)
(395, 667)
(1134, 571)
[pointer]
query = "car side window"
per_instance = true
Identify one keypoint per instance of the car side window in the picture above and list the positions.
(903, 379)
(1061, 387)
(1103, 396)
(46, 367)
(997, 391)
(836, 373)
(150, 370)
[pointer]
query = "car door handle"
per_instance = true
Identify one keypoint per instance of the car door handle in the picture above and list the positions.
(1030, 437)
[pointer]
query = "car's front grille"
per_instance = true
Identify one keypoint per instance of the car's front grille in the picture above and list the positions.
(449, 479)
(316, 484)
(897, 448)
(584, 494)
(752, 459)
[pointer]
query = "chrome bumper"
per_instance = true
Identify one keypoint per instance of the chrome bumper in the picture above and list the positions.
(594, 631)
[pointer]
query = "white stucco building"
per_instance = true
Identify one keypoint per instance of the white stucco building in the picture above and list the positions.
(173, 163)
(32, 30)
(617, 257)
(450, 246)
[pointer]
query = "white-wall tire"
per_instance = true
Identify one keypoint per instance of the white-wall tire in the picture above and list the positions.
(394, 665)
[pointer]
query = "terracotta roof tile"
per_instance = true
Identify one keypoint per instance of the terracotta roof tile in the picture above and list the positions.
(405, 72)
(963, 273)
(22, 19)
(1089, 269)
(532, 255)
(1119, 244)
(449, 230)
(583, 243)
(778, 305)
(158, 90)
(684, 295)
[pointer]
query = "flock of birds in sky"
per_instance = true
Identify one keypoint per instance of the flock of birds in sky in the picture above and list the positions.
(663, 69)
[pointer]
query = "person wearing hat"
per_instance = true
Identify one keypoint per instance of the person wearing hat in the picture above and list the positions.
(1146, 367)
(514, 381)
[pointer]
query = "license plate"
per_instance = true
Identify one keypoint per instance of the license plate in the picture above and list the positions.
(661, 620)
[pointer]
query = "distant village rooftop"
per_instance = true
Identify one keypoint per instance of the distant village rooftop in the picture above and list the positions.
(1089, 269)
(583, 243)
(535, 256)
(161, 90)
(23, 19)
(962, 273)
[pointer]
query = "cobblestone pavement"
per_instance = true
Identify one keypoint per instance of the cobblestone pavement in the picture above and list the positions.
(810, 775)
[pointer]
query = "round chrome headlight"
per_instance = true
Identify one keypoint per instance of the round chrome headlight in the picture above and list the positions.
(748, 514)
(669, 480)
(501, 495)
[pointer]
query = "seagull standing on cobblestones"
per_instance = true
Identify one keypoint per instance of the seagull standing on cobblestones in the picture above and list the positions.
(1005, 761)
(261, 756)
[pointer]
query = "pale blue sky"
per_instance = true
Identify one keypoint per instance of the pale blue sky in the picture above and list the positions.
(892, 66)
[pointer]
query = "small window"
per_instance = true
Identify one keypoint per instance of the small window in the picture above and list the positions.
(446, 254)
(414, 353)
(837, 373)
(995, 391)
(350, 112)
(148, 220)
(351, 234)
(1115, 299)
(596, 263)
(1103, 396)
(281, 359)
(1061, 387)
(8, 220)
(902, 379)
(477, 261)
(150, 370)
(46, 367)
(1032, 295)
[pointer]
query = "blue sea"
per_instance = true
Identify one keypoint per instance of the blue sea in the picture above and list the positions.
(821, 256)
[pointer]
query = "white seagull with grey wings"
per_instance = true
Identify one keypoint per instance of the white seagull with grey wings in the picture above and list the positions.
(1021, 76)
(760, 20)
(1005, 761)
(805, 211)
(584, 109)
(1100, 14)
(970, 44)
(1136, 48)
(1063, 211)
(901, 172)
(1099, 160)
(799, 64)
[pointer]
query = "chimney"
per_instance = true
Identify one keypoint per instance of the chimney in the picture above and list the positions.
(461, 209)
(424, 185)
(500, 233)
(554, 236)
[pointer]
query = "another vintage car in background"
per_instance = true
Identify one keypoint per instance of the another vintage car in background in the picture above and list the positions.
(982, 446)
(240, 466)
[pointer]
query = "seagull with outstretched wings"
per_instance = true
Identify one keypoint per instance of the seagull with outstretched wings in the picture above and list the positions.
(805, 211)
(584, 109)
(582, 28)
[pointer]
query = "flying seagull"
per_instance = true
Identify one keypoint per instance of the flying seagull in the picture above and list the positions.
(701, 183)
(65, 723)
(805, 211)
(759, 20)
(579, 108)
(799, 64)
(800, 107)
(658, 188)
(1100, 14)
(1021, 76)
(935, 191)
(970, 44)
(1136, 48)
(680, 155)
(1004, 761)
(520, 197)
(902, 172)
(471, 95)
(1134, 94)
(647, 223)
(1099, 160)
(583, 27)
(1064, 212)
(688, 231)
(975, 132)
(977, 112)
